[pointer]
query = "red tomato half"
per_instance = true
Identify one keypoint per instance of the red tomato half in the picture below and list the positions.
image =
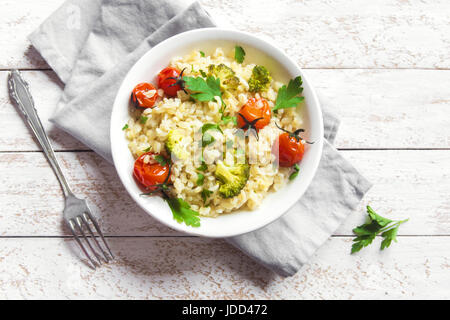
(167, 79)
(144, 95)
(150, 173)
(254, 109)
(290, 150)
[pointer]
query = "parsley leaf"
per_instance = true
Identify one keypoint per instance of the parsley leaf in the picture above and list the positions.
(375, 225)
(203, 167)
(202, 54)
(125, 127)
(143, 119)
(203, 90)
(228, 119)
(375, 217)
(295, 173)
(288, 96)
(239, 54)
(388, 237)
(207, 139)
(182, 212)
(211, 126)
(200, 179)
(161, 160)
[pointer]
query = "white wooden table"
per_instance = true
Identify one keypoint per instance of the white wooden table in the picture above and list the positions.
(383, 66)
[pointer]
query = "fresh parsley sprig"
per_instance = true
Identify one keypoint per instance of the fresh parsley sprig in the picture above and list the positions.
(203, 90)
(182, 212)
(207, 90)
(288, 97)
(375, 225)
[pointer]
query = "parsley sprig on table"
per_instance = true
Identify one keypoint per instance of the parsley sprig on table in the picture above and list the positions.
(288, 97)
(375, 225)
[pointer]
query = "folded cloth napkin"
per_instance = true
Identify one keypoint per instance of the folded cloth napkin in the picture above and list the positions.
(91, 44)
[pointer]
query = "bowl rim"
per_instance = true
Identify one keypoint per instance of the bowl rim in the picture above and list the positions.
(242, 37)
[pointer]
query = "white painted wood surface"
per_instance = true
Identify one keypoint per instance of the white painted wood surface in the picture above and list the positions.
(192, 268)
(381, 66)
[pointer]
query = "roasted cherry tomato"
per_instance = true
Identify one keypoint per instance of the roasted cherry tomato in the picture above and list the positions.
(290, 149)
(170, 80)
(144, 95)
(150, 172)
(254, 114)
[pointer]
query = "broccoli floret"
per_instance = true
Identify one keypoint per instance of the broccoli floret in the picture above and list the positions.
(173, 145)
(228, 79)
(232, 178)
(260, 79)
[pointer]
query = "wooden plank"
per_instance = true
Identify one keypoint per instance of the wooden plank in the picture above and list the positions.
(17, 22)
(319, 34)
(193, 268)
(14, 133)
(378, 109)
(387, 108)
(412, 184)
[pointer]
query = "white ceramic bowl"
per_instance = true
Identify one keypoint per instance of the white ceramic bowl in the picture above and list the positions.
(259, 51)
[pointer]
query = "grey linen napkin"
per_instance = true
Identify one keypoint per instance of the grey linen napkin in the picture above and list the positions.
(91, 45)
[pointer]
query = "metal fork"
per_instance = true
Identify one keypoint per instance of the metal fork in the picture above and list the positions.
(77, 214)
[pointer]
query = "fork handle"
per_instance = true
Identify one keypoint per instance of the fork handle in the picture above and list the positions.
(20, 93)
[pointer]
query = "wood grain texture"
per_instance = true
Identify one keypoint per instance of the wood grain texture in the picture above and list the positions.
(193, 268)
(318, 34)
(378, 109)
(412, 184)
(17, 22)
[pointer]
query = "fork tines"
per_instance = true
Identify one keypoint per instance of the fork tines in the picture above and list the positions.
(78, 225)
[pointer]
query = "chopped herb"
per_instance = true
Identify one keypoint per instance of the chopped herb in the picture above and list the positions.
(203, 167)
(229, 144)
(375, 225)
(228, 119)
(200, 179)
(239, 54)
(125, 127)
(161, 160)
(192, 68)
(288, 96)
(202, 54)
(211, 126)
(148, 149)
(206, 194)
(295, 173)
(207, 139)
(182, 212)
(143, 119)
(203, 73)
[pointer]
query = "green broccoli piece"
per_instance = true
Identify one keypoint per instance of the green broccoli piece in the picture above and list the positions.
(232, 178)
(260, 79)
(173, 145)
(228, 79)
